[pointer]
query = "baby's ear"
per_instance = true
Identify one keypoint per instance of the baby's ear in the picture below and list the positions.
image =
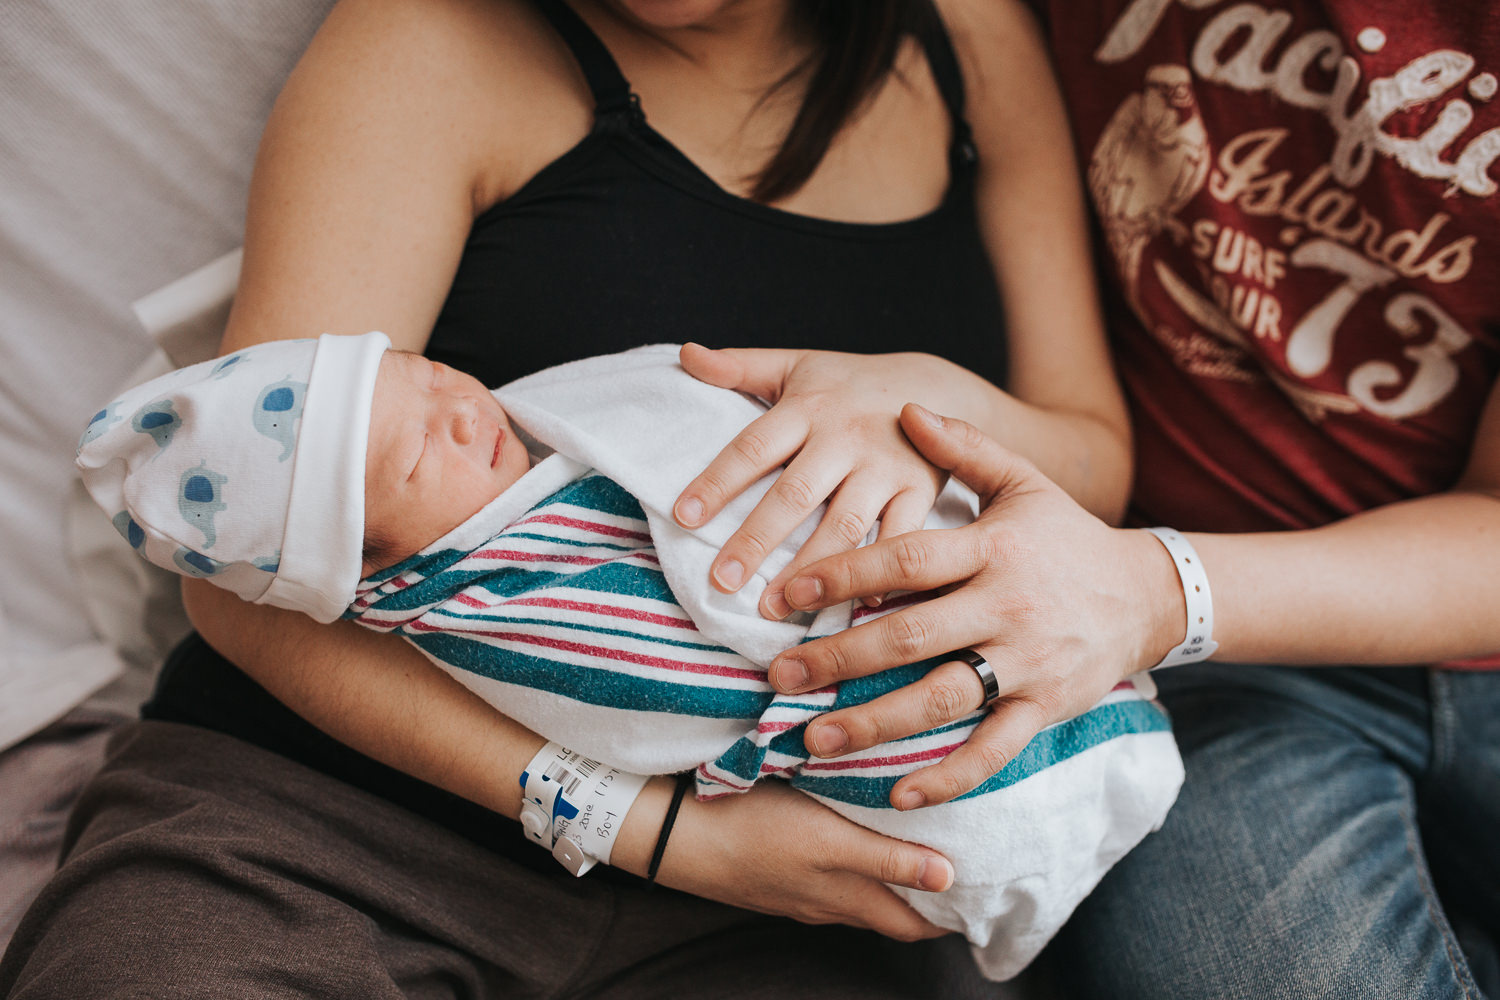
(371, 555)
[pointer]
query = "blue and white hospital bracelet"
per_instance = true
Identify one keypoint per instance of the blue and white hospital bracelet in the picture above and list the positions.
(574, 806)
(1198, 643)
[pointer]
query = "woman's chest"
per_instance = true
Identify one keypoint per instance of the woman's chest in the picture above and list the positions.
(607, 253)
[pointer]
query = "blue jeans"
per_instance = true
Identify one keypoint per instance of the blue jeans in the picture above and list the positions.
(1338, 836)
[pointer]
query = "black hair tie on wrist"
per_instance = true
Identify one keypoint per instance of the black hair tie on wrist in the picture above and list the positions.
(684, 780)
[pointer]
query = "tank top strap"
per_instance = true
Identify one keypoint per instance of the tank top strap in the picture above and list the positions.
(608, 85)
(943, 62)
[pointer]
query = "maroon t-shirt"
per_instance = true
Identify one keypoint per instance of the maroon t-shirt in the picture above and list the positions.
(1299, 216)
(1299, 205)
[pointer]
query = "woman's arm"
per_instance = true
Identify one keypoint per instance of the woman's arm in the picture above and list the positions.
(1063, 606)
(377, 694)
(836, 414)
(391, 134)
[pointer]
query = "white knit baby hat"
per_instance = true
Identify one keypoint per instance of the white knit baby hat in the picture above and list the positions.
(247, 470)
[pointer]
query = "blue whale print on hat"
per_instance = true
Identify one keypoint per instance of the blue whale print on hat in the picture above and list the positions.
(99, 423)
(196, 563)
(199, 498)
(277, 410)
(223, 368)
(128, 529)
(159, 420)
(268, 564)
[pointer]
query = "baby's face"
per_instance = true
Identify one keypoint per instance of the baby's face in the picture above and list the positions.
(440, 449)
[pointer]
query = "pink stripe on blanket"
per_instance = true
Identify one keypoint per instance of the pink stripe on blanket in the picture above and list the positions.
(386, 624)
(602, 652)
(890, 761)
(718, 779)
(573, 522)
(516, 556)
(632, 614)
(604, 609)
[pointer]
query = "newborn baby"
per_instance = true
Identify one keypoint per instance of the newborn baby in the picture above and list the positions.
(440, 449)
(537, 562)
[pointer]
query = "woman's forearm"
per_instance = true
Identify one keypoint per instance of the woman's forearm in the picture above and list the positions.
(378, 695)
(1086, 452)
(375, 693)
(1087, 455)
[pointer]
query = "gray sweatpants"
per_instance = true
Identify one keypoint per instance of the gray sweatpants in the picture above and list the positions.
(197, 865)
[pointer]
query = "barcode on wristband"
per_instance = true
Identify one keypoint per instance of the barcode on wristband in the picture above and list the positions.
(569, 780)
(566, 779)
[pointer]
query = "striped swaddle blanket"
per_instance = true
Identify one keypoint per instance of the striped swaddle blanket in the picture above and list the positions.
(576, 606)
(570, 602)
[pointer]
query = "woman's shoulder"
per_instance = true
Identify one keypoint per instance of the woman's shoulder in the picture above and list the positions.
(1003, 57)
(491, 78)
(987, 35)
(983, 31)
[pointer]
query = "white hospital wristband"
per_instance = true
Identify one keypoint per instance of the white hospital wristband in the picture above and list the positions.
(574, 806)
(1198, 643)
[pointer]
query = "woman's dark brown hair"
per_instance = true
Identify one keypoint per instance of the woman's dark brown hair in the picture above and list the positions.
(857, 42)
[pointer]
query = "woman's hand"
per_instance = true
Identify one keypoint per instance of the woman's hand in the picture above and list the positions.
(835, 426)
(1062, 606)
(775, 850)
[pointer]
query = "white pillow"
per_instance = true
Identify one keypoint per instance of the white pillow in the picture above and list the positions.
(130, 132)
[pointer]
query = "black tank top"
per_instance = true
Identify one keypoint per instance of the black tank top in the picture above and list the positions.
(622, 241)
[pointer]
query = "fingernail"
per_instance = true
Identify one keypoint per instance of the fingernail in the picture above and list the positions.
(804, 592)
(935, 875)
(873, 601)
(829, 739)
(776, 604)
(788, 676)
(912, 798)
(689, 512)
(729, 573)
(926, 415)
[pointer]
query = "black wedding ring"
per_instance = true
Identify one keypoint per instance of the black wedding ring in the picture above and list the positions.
(984, 670)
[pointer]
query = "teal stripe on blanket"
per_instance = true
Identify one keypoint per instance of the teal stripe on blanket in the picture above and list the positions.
(861, 690)
(599, 493)
(495, 621)
(743, 760)
(631, 580)
(594, 492)
(582, 543)
(591, 684)
(1052, 746)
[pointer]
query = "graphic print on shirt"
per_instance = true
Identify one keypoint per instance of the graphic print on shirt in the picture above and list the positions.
(1267, 204)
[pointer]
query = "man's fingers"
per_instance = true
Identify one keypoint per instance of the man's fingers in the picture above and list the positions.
(995, 742)
(977, 461)
(764, 444)
(758, 371)
(918, 560)
(909, 635)
(948, 693)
